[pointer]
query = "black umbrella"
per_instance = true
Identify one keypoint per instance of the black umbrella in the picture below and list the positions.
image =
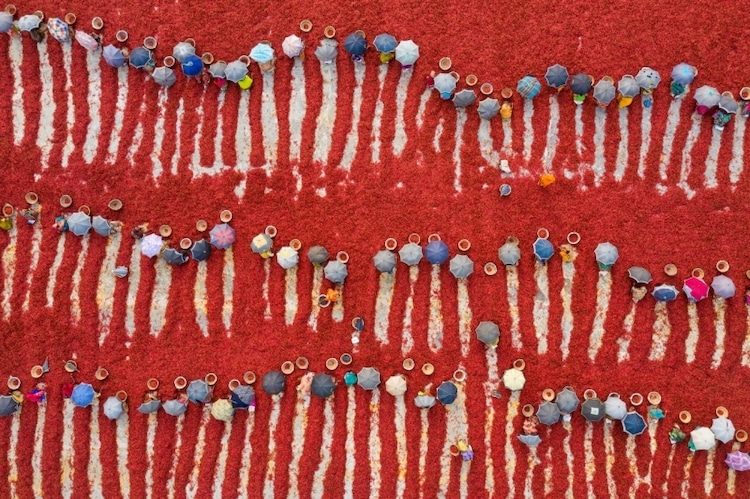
(201, 250)
(317, 255)
(174, 257)
(556, 76)
(593, 409)
(8, 405)
(548, 413)
(580, 84)
(274, 382)
(322, 385)
(447, 392)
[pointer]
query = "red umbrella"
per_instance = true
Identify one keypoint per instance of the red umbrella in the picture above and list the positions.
(695, 288)
(222, 236)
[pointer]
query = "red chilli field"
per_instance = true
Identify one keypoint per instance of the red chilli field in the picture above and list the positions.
(345, 156)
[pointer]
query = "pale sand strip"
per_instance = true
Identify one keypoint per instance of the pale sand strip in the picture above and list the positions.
(291, 300)
(122, 436)
(456, 428)
(720, 324)
(134, 278)
(691, 342)
(492, 384)
(377, 117)
(9, 269)
(153, 421)
(374, 445)
(157, 167)
(670, 460)
(122, 102)
(673, 119)
(227, 280)
(319, 477)
(645, 140)
(709, 176)
(75, 296)
(200, 297)
(191, 488)
(352, 138)
(36, 251)
(46, 132)
(383, 301)
(528, 128)
(407, 340)
(486, 146)
(541, 306)
(548, 471)
(95, 471)
(52, 278)
(297, 111)
(569, 458)
(317, 284)
(94, 99)
(419, 118)
(603, 294)
(299, 427)
(400, 137)
(401, 451)
(160, 296)
(435, 323)
(350, 446)
(247, 454)
(510, 438)
(221, 462)
(177, 154)
(550, 149)
(465, 317)
(511, 278)
(687, 158)
(135, 143)
(424, 441)
(507, 149)
(175, 456)
(609, 463)
(622, 148)
(337, 312)
(36, 457)
(685, 486)
(438, 133)
(532, 461)
(264, 289)
(662, 330)
(15, 427)
(590, 460)
(459, 142)
(70, 116)
(746, 344)
(327, 117)
(708, 477)
(600, 163)
(105, 290)
(242, 143)
(67, 454)
(270, 123)
(15, 51)
(566, 295)
(736, 164)
(731, 474)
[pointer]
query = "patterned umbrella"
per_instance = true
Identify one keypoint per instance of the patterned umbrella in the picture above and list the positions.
(461, 266)
(368, 378)
(235, 71)
(633, 423)
(29, 22)
(447, 392)
(723, 286)
(336, 271)
(262, 53)
(648, 78)
(113, 408)
(58, 29)
(464, 98)
(79, 223)
(488, 108)
(83, 395)
(151, 245)
(182, 50)
(287, 257)
(556, 76)
(87, 41)
(384, 261)
(385, 43)
(192, 65)
(436, 252)
(222, 410)
(140, 57)
(292, 46)
(201, 250)
(528, 87)
(113, 56)
(738, 461)
(410, 254)
(407, 53)
(164, 76)
(198, 391)
(222, 236)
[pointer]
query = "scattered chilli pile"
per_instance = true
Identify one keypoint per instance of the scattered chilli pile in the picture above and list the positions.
(578, 305)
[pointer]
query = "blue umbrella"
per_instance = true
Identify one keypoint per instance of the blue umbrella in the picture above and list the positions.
(447, 392)
(543, 249)
(198, 391)
(6, 22)
(528, 87)
(633, 423)
(58, 29)
(530, 440)
(436, 252)
(164, 76)
(174, 257)
(322, 385)
(140, 58)
(665, 292)
(336, 271)
(262, 52)
(556, 76)
(385, 43)
(410, 254)
(113, 56)
(548, 413)
(355, 44)
(684, 73)
(243, 396)
(192, 65)
(273, 382)
(384, 261)
(201, 250)
(235, 71)
(461, 266)
(83, 395)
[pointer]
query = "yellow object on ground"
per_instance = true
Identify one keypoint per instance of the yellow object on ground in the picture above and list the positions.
(333, 295)
(623, 102)
(546, 179)
(245, 83)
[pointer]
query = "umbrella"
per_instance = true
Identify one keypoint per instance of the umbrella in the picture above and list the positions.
(164, 76)
(6, 22)
(615, 407)
(385, 43)
(151, 245)
(384, 261)
(684, 73)
(350, 378)
(192, 65)
(514, 379)
(407, 52)
(261, 243)
(222, 236)
(593, 409)
(509, 253)
(182, 50)
(149, 407)
(436, 252)
(274, 382)
(528, 87)
(57, 29)
(83, 395)
(287, 257)
(488, 333)
(396, 385)
(121, 271)
(222, 410)
(447, 392)
(633, 423)
(604, 92)
(198, 391)
(410, 254)
(243, 397)
(665, 292)
(445, 83)
(738, 461)
(424, 400)
(235, 71)
(326, 51)
(336, 271)
(639, 275)
(556, 76)
(139, 57)
(8, 405)
(292, 46)
(488, 108)
(29, 22)
(723, 429)
(102, 226)
(87, 41)
(322, 385)
(695, 288)
(262, 53)
(580, 84)
(543, 249)
(707, 96)
(548, 413)
(530, 440)
(317, 255)
(648, 78)
(464, 98)
(728, 104)
(79, 223)
(201, 250)
(461, 266)
(628, 86)
(175, 407)
(567, 400)
(113, 408)
(113, 56)
(702, 438)
(355, 44)
(217, 69)
(606, 255)
(174, 257)
(368, 378)
(723, 286)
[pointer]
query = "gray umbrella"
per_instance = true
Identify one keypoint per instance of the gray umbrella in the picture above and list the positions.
(322, 385)
(175, 407)
(639, 275)
(445, 83)
(530, 440)
(488, 332)
(464, 98)
(317, 255)
(580, 84)
(567, 400)
(728, 104)
(326, 51)
(424, 400)
(274, 382)
(261, 243)
(548, 413)
(509, 253)
(113, 408)
(488, 108)
(198, 391)
(79, 223)
(242, 397)
(101, 226)
(201, 250)
(604, 92)
(593, 409)
(336, 271)
(8, 405)
(648, 78)
(368, 378)
(182, 50)
(235, 71)
(217, 69)
(6, 22)
(174, 257)
(410, 254)
(556, 76)
(606, 254)
(628, 87)
(461, 266)
(149, 407)
(384, 261)
(164, 76)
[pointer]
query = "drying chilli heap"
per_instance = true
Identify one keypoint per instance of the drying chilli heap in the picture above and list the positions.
(344, 156)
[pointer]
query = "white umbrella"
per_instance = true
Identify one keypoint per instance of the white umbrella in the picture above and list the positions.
(701, 438)
(723, 429)
(723, 286)
(29, 22)
(182, 50)
(445, 84)
(606, 254)
(514, 379)
(292, 46)
(396, 385)
(407, 52)
(113, 408)
(151, 245)
(287, 257)
(707, 96)
(615, 407)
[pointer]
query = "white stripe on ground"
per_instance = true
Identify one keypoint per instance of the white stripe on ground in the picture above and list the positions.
(157, 168)
(67, 453)
(407, 340)
(491, 385)
(532, 462)
(609, 462)
(75, 295)
(720, 323)
(270, 123)
(670, 459)
(327, 116)
(297, 111)
(456, 428)
(9, 269)
(603, 294)
(579, 130)
(435, 322)
(712, 160)
(15, 52)
(419, 118)
(507, 138)
(15, 427)
(424, 440)
(318, 490)
(350, 464)
(511, 279)
(160, 296)
(645, 141)
(70, 117)
(191, 488)
(291, 300)
(153, 421)
(135, 143)
(177, 154)
(685, 488)
(218, 132)
(510, 438)
(200, 297)
(37, 481)
(459, 142)
(36, 246)
(123, 434)
(52, 279)
(541, 306)
(299, 427)
(550, 148)
(438, 133)
(465, 317)
(95, 472)
(175, 456)
(548, 469)
(337, 312)
(662, 330)
(242, 143)
(105, 290)
(673, 119)
(247, 454)
(731, 474)
(122, 102)
(486, 145)
(590, 459)
(221, 462)
(377, 118)
(374, 445)
(708, 482)
(746, 344)
(227, 280)
(622, 147)
(691, 342)
(627, 336)
(317, 284)
(528, 128)
(46, 132)
(195, 158)
(134, 279)
(94, 100)
(566, 294)
(400, 137)
(401, 450)
(569, 459)
(737, 162)
(264, 289)
(352, 138)
(687, 158)
(633, 465)
(600, 124)
(387, 283)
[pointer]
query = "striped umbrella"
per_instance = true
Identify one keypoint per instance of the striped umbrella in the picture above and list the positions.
(58, 29)
(528, 87)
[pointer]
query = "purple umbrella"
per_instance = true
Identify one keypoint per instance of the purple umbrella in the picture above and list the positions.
(738, 461)
(222, 236)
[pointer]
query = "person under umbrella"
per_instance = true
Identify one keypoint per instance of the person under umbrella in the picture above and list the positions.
(355, 45)
(461, 266)
(407, 53)
(606, 255)
(528, 87)
(683, 75)
(445, 84)
(627, 89)
(235, 71)
(83, 395)
(738, 461)
(615, 407)
(79, 223)
(633, 423)
(222, 410)
(706, 97)
(6, 22)
(57, 29)
(548, 413)
(140, 58)
(723, 286)
(201, 250)
(557, 76)
(385, 44)
(322, 385)
(274, 382)
(174, 257)
(648, 79)
(543, 249)
(580, 85)
(150, 404)
(261, 244)
(604, 92)
(151, 245)
(8, 405)
(727, 107)
(317, 255)
(488, 333)
(113, 408)
(198, 391)
(368, 378)
(436, 252)
(410, 254)
(665, 292)
(292, 46)
(222, 236)
(87, 41)
(567, 401)
(102, 226)
(701, 438)
(488, 108)
(264, 55)
(182, 50)
(243, 397)
(287, 257)
(384, 261)
(176, 407)
(396, 385)
(447, 392)
(424, 400)
(464, 98)
(593, 409)
(192, 65)
(509, 253)
(113, 56)
(326, 51)
(336, 271)
(164, 76)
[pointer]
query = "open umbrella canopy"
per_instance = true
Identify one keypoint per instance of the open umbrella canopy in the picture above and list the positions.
(149, 406)
(182, 50)
(410, 254)
(201, 250)
(83, 395)
(514, 379)
(567, 400)
(445, 83)
(113, 56)
(723, 429)
(606, 254)
(639, 275)
(628, 86)
(723, 286)
(384, 261)
(548, 413)
(728, 103)
(274, 382)
(287, 257)
(528, 87)
(336, 271)
(198, 391)
(488, 108)
(436, 252)
(151, 245)
(488, 333)
(85, 40)
(396, 385)
(648, 78)
(683, 73)
(243, 397)
(633, 423)
(665, 292)
(556, 76)
(113, 408)
(8, 405)
(509, 253)
(593, 409)
(174, 257)
(702, 438)
(707, 96)
(615, 407)
(140, 57)
(530, 440)
(222, 236)
(350, 378)
(385, 43)
(326, 51)
(262, 53)
(175, 407)
(29, 22)
(235, 71)
(604, 92)
(464, 98)
(355, 44)
(261, 243)
(447, 392)
(317, 255)
(407, 52)
(192, 65)
(292, 46)
(164, 76)
(322, 385)
(101, 226)
(368, 378)
(543, 249)
(695, 288)
(222, 410)
(6, 22)
(580, 83)
(738, 460)
(461, 266)
(424, 400)
(57, 29)
(79, 223)
(218, 69)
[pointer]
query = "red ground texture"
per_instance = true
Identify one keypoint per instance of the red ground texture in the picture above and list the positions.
(498, 42)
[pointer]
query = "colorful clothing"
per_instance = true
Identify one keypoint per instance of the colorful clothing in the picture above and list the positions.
(623, 101)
